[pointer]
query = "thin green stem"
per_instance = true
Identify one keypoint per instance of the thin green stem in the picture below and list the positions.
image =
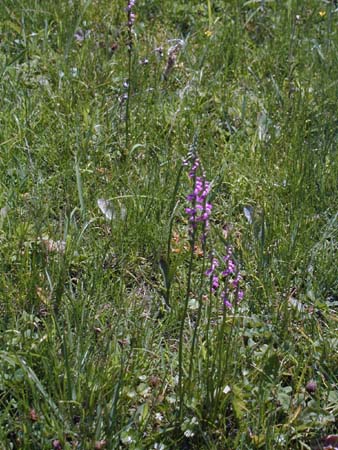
(171, 222)
(127, 118)
(199, 312)
(209, 13)
(184, 314)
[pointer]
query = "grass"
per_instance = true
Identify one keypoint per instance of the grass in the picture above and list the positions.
(110, 334)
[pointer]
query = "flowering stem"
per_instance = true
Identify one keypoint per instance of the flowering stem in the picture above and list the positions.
(127, 120)
(209, 380)
(131, 20)
(221, 350)
(232, 326)
(198, 213)
(184, 314)
(199, 312)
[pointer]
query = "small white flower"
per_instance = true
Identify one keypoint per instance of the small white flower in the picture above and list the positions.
(159, 417)
(158, 446)
(43, 81)
(189, 433)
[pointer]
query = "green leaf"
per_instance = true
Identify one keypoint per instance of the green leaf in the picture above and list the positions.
(238, 402)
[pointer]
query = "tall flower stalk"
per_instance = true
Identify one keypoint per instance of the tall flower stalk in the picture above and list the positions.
(224, 278)
(198, 212)
(225, 290)
(130, 23)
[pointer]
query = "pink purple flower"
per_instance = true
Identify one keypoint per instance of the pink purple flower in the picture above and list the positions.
(228, 277)
(130, 14)
(199, 210)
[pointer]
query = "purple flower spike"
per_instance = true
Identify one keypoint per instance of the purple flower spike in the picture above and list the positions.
(200, 209)
(228, 304)
(212, 268)
(225, 300)
(240, 295)
(215, 283)
(130, 5)
(198, 212)
(231, 279)
(130, 20)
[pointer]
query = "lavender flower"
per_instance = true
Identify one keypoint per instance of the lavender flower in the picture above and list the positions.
(223, 274)
(199, 210)
(130, 14)
(130, 22)
(225, 300)
(230, 279)
(211, 273)
(214, 265)
(214, 283)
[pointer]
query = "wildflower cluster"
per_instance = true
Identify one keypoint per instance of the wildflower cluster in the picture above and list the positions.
(130, 22)
(199, 210)
(225, 278)
(130, 14)
(228, 277)
(126, 97)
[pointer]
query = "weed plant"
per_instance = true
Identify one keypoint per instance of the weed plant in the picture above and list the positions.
(142, 307)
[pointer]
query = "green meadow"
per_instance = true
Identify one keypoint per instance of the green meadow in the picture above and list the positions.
(168, 224)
